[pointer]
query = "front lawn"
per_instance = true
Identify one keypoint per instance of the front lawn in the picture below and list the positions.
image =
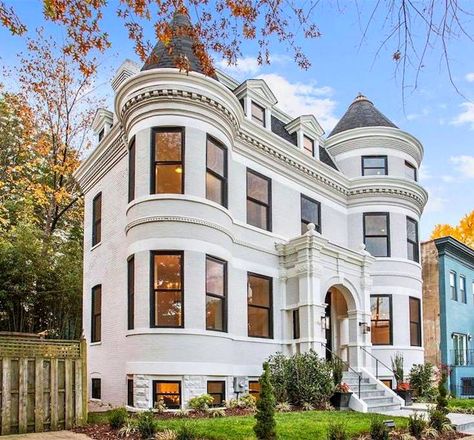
(461, 403)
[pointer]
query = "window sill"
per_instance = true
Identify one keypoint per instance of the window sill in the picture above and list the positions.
(94, 344)
(95, 246)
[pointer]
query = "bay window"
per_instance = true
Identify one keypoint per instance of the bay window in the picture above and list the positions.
(412, 240)
(377, 233)
(216, 172)
(216, 289)
(381, 321)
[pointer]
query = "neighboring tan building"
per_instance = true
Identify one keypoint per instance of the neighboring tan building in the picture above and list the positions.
(219, 230)
(448, 310)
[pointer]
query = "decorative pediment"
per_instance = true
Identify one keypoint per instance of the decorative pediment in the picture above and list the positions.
(258, 90)
(308, 124)
(103, 119)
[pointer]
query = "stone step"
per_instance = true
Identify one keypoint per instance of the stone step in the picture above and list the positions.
(372, 393)
(377, 400)
(363, 387)
(383, 408)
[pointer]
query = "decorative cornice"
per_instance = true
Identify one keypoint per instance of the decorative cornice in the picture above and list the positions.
(454, 248)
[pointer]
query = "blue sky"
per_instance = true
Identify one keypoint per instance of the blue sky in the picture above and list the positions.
(343, 65)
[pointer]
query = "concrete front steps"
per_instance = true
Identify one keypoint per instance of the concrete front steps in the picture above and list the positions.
(374, 395)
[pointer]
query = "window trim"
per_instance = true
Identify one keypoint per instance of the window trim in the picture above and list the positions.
(412, 167)
(419, 323)
(154, 163)
(456, 296)
(213, 295)
(269, 308)
(169, 382)
(389, 320)
(379, 156)
(258, 202)
(99, 381)
(224, 178)
(463, 292)
(387, 215)
(132, 152)
(97, 287)
(131, 292)
(318, 226)
(152, 287)
(415, 243)
(96, 238)
(223, 394)
(264, 111)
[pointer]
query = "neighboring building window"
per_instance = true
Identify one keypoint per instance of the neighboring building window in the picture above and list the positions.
(460, 348)
(387, 382)
(259, 297)
(216, 288)
(310, 213)
(216, 172)
(101, 134)
(96, 320)
(130, 401)
(467, 386)
(258, 114)
(96, 388)
(381, 322)
(377, 233)
(374, 166)
(216, 389)
(410, 171)
(452, 286)
(167, 285)
(415, 322)
(462, 289)
(131, 292)
(254, 388)
(412, 240)
(308, 146)
(97, 219)
(296, 324)
(258, 200)
(167, 160)
(131, 171)
(167, 391)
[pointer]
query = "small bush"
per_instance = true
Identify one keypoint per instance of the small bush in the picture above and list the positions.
(442, 399)
(437, 419)
(186, 432)
(337, 431)
(117, 417)
(246, 401)
(265, 426)
(397, 367)
(160, 406)
(146, 424)
(337, 370)
(416, 425)
(218, 412)
(421, 381)
(167, 434)
(129, 428)
(307, 406)
(201, 403)
(283, 407)
(378, 429)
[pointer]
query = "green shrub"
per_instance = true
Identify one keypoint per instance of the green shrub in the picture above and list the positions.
(117, 418)
(280, 369)
(146, 424)
(283, 407)
(421, 380)
(186, 432)
(378, 429)
(442, 399)
(160, 406)
(337, 370)
(246, 401)
(397, 367)
(265, 427)
(337, 431)
(167, 434)
(201, 403)
(416, 425)
(438, 419)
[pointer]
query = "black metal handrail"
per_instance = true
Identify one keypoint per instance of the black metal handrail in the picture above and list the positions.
(359, 374)
(377, 362)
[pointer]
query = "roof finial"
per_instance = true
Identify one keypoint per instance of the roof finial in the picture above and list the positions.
(360, 97)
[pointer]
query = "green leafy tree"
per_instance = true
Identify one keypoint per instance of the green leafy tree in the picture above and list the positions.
(265, 428)
(442, 399)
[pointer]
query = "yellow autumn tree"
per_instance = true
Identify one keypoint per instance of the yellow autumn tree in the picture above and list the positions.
(463, 231)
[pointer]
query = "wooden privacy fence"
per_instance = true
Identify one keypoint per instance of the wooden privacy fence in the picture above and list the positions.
(43, 384)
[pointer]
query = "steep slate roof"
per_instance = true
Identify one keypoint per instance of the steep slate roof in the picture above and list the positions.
(361, 113)
(180, 44)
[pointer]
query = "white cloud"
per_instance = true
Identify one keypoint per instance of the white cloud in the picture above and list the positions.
(244, 66)
(424, 172)
(465, 165)
(447, 178)
(470, 77)
(436, 201)
(296, 98)
(467, 116)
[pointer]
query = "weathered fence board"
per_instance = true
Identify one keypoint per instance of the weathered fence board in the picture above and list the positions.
(42, 384)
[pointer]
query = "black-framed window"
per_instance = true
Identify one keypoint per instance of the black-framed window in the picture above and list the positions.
(167, 391)
(216, 172)
(167, 149)
(374, 166)
(410, 171)
(453, 286)
(377, 233)
(101, 134)
(412, 240)
(96, 313)
(254, 388)
(216, 389)
(131, 170)
(467, 386)
(131, 292)
(381, 320)
(258, 114)
(96, 388)
(216, 293)
(462, 289)
(130, 400)
(310, 213)
(259, 200)
(296, 324)
(97, 219)
(415, 322)
(259, 305)
(167, 287)
(308, 146)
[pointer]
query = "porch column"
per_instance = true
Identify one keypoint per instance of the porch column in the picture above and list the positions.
(359, 336)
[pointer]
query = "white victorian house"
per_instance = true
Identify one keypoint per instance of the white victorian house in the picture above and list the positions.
(219, 230)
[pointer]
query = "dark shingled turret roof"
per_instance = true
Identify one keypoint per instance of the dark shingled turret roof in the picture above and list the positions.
(361, 113)
(181, 44)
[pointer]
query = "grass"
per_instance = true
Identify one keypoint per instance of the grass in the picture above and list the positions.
(461, 403)
(307, 425)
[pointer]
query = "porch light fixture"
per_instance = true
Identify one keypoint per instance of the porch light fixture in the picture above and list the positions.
(365, 328)
(325, 324)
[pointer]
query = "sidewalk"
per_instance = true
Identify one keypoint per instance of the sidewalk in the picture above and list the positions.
(58, 435)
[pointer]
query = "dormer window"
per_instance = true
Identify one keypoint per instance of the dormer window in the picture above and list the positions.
(258, 114)
(308, 146)
(101, 134)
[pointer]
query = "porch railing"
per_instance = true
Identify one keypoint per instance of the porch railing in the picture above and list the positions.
(377, 363)
(462, 358)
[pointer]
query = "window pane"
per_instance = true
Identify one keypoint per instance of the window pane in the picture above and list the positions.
(377, 246)
(214, 189)
(96, 388)
(254, 388)
(214, 313)
(380, 332)
(168, 179)
(374, 162)
(376, 225)
(259, 291)
(309, 211)
(411, 230)
(414, 335)
(168, 145)
(414, 310)
(215, 157)
(258, 114)
(381, 320)
(257, 215)
(168, 308)
(308, 145)
(257, 187)
(411, 248)
(169, 392)
(259, 322)
(380, 307)
(374, 172)
(410, 171)
(167, 272)
(215, 276)
(216, 387)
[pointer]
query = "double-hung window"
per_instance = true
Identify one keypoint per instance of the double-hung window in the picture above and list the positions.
(374, 166)
(381, 322)
(462, 289)
(216, 289)
(96, 309)
(259, 189)
(415, 322)
(96, 391)
(259, 306)
(296, 324)
(377, 233)
(216, 389)
(258, 114)
(131, 170)
(167, 289)
(310, 213)
(97, 219)
(167, 175)
(460, 349)
(131, 292)
(412, 240)
(168, 392)
(216, 172)
(308, 146)
(453, 286)
(410, 171)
